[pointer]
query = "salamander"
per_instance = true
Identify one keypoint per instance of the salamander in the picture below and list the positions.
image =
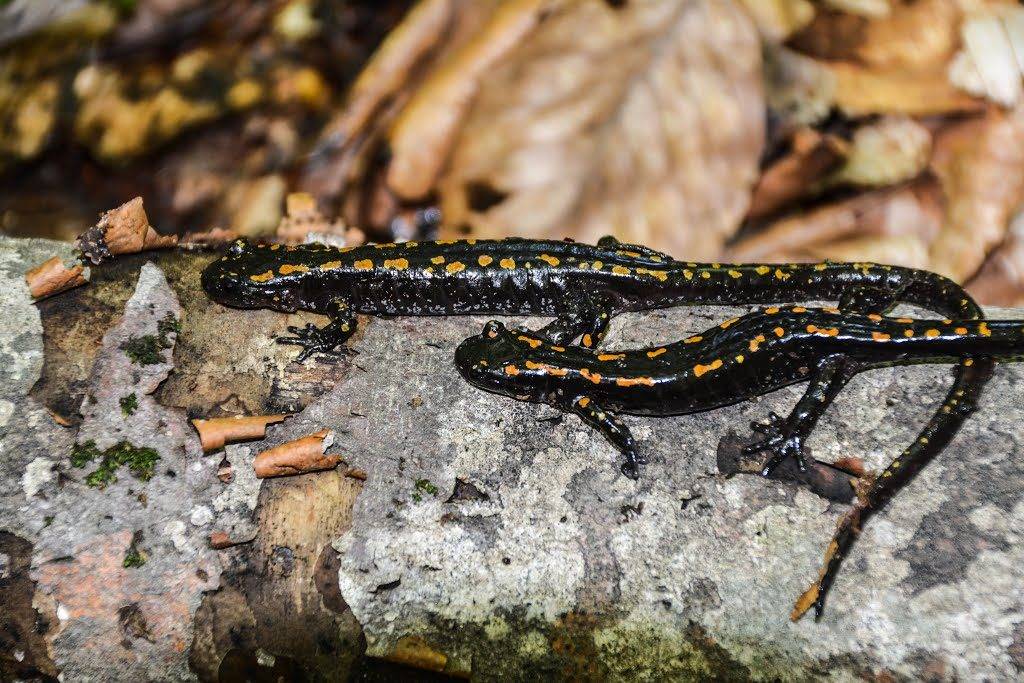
(737, 360)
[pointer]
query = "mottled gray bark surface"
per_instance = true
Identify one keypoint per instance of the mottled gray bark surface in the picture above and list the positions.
(490, 537)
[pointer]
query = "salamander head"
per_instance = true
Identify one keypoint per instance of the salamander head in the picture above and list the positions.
(495, 359)
(249, 275)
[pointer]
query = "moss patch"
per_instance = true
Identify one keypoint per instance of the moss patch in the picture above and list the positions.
(141, 462)
(129, 403)
(148, 349)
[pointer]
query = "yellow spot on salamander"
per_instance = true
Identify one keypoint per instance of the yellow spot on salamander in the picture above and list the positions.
(656, 352)
(831, 309)
(330, 265)
(756, 342)
(437, 260)
(984, 331)
(739, 358)
(455, 267)
(969, 362)
(932, 333)
(657, 274)
(592, 376)
(735, 273)
(880, 336)
(620, 270)
(762, 270)
(635, 381)
(412, 245)
(716, 266)
(263, 277)
(397, 264)
(699, 370)
(908, 333)
(780, 275)
(534, 343)
(611, 356)
(820, 266)
(551, 260)
(706, 275)
(511, 370)
(598, 265)
(779, 332)
(288, 268)
(365, 264)
(631, 254)
(275, 247)
(688, 274)
(444, 242)
(507, 263)
(484, 260)
(693, 340)
(583, 402)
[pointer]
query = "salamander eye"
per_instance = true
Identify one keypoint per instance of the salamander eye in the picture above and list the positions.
(237, 247)
(493, 328)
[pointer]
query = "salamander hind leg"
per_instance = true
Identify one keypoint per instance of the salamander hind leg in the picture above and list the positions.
(324, 339)
(586, 317)
(613, 429)
(785, 437)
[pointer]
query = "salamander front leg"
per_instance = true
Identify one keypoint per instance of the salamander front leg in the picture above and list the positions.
(324, 339)
(615, 431)
(784, 438)
(587, 317)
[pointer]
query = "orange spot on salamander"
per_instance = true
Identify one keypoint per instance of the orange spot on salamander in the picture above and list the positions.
(592, 376)
(779, 331)
(828, 332)
(875, 317)
(397, 264)
(611, 356)
(961, 330)
(549, 369)
(756, 342)
(780, 275)
(620, 270)
(656, 352)
(880, 336)
(932, 333)
(771, 310)
(437, 260)
(288, 268)
(330, 265)
(511, 370)
(728, 323)
(583, 402)
(699, 370)
(762, 270)
(263, 277)
(908, 333)
(984, 331)
(735, 273)
(588, 341)
(693, 340)
(455, 267)
(559, 349)
(904, 320)
(484, 260)
(365, 264)
(635, 381)
(799, 309)
(551, 260)
(507, 263)
(534, 343)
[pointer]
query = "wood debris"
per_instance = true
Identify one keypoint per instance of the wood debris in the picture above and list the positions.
(124, 230)
(216, 432)
(53, 276)
(297, 457)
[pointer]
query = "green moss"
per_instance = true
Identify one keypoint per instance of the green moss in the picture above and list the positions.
(148, 349)
(423, 486)
(133, 558)
(141, 462)
(129, 403)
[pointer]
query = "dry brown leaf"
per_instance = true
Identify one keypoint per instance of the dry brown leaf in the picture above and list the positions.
(906, 250)
(1000, 281)
(777, 20)
(991, 62)
(800, 91)
(911, 212)
(303, 219)
(861, 91)
(899, 36)
(813, 157)
(216, 432)
(645, 121)
(297, 457)
(53, 276)
(124, 230)
(885, 152)
(980, 163)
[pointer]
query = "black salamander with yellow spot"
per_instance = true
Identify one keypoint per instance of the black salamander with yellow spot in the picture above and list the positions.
(735, 361)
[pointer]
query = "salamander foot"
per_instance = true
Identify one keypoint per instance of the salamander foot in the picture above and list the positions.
(631, 467)
(779, 441)
(315, 339)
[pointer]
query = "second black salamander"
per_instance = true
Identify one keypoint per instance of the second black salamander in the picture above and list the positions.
(735, 361)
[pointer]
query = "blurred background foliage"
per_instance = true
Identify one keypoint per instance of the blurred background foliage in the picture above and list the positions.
(774, 130)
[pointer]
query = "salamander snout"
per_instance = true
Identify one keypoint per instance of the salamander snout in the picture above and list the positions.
(482, 358)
